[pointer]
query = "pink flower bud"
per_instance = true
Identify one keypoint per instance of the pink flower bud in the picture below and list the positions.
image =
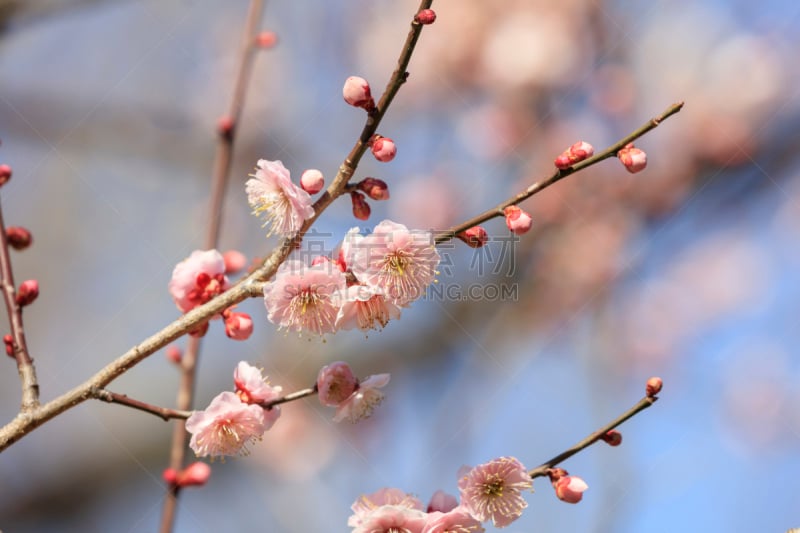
(426, 16)
(361, 208)
(266, 39)
(312, 181)
(234, 261)
(612, 437)
(653, 386)
(196, 474)
(374, 188)
(570, 489)
(577, 152)
(335, 383)
(357, 93)
(174, 354)
(5, 174)
(517, 220)
(238, 326)
(384, 149)
(170, 476)
(633, 158)
(475, 237)
(18, 238)
(28, 292)
(225, 126)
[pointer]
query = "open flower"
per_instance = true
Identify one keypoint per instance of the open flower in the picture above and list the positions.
(392, 519)
(492, 490)
(365, 308)
(300, 297)
(197, 279)
(335, 383)
(251, 387)
(456, 521)
(366, 503)
(400, 262)
(272, 195)
(363, 401)
(225, 427)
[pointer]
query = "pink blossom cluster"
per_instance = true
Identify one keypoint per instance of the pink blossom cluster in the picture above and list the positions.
(371, 280)
(491, 491)
(234, 419)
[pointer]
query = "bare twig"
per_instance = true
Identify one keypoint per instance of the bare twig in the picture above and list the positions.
(123, 399)
(27, 372)
(640, 406)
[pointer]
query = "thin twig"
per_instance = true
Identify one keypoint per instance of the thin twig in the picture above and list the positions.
(220, 176)
(290, 397)
(558, 175)
(542, 469)
(27, 372)
(122, 399)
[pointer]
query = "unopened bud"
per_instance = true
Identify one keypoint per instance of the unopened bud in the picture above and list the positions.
(5, 174)
(225, 126)
(196, 474)
(8, 340)
(612, 437)
(374, 188)
(312, 181)
(234, 261)
(653, 386)
(633, 158)
(335, 383)
(426, 16)
(517, 220)
(28, 292)
(475, 237)
(174, 354)
(170, 476)
(361, 208)
(384, 149)
(266, 39)
(238, 326)
(570, 489)
(357, 93)
(18, 238)
(577, 152)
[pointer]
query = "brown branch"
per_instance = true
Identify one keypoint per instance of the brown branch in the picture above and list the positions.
(542, 469)
(558, 175)
(290, 397)
(221, 173)
(122, 399)
(25, 368)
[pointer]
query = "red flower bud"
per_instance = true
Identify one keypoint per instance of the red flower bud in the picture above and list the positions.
(266, 39)
(225, 126)
(634, 159)
(238, 326)
(374, 188)
(312, 181)
(426, 16)
(384, 149)
(18, 238)
(5, 174)
(612, 437)
(653, 386)
(517, 220)
(196, 474)
(361, 208)
(28, 292)
(475, 237)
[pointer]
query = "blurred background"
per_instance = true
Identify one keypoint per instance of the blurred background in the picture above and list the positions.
(687, 270)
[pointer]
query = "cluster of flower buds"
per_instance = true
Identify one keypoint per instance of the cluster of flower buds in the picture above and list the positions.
(577, 152)
(194, 475)
(568, 488)
(633, 158)
(374, 188)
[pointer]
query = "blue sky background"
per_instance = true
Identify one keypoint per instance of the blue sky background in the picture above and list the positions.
(107, 112)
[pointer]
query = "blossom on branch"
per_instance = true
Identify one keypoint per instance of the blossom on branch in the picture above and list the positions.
(272, 195)
(197, 279)
(393, 519)
(367, 503)
(300, 297)
(364, 307)
(335, 383)
(457, 520)
(251, 387)
(400, 262)
(225, 427)
(363, 401)
(492, 490)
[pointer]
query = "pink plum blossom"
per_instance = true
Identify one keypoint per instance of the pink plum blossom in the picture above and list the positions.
(300, 297)
(363, 401)
(633, 158)
(312, 181)
(356, 92)
(238, 326)
(348, 247)
(225, 427)
(392, 519)
(364, 307)
(570, 489)
(400, 262)
(492, 490)
(517, 220)
(367, 503)
(251, 387)
(442, 502)
(272, 195)
(456, 521)
(335, 383)
(197, 279)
